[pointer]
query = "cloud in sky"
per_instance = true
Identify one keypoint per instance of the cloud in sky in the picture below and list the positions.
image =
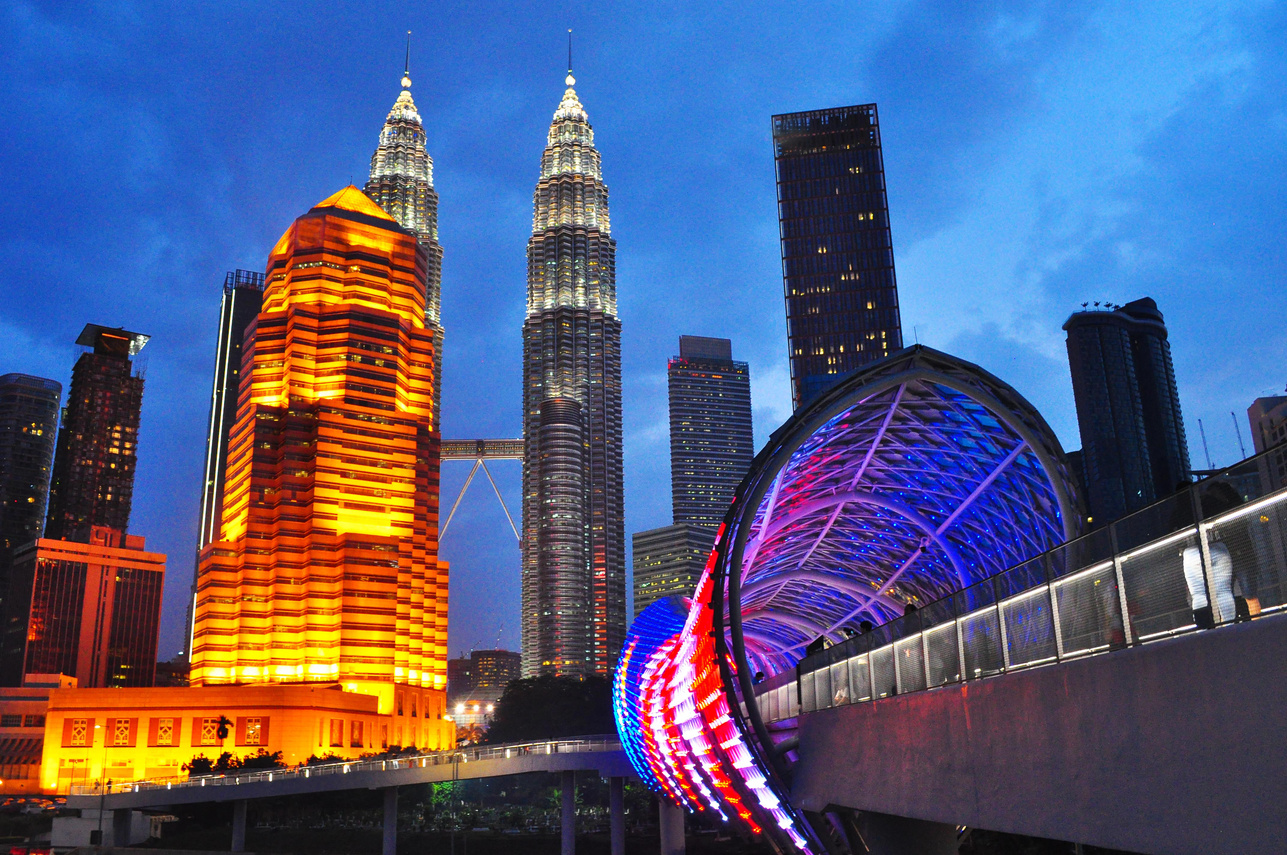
(1038, 154)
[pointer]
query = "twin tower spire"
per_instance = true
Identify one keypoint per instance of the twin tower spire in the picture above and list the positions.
(573, 537)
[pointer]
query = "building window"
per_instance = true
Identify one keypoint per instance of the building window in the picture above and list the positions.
(121, 731)
(33, 721)
(384, 736)
(165, 731)
(80, 727)
(10, 720)
(355, 736)
(209, 731)
(399, 703)
(337, 733)
(413, 706)
(253, 731)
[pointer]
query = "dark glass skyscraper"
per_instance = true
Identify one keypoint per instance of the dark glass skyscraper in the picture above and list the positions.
(1128, 409)
(401, 182)
(243, 295)
(573, 544)
(837, 253)
(93, 479)
(28, 430)
(711, 444)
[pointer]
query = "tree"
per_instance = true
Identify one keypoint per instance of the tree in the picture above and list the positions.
(549, 707)
(228, 763)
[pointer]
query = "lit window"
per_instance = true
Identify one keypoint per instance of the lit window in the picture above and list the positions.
(121, 732)
(80, 726)
(165, 731)
(209, 731)
(253, 731)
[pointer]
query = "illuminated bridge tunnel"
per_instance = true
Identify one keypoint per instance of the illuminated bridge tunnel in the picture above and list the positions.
(911, 480)
(1048, 683)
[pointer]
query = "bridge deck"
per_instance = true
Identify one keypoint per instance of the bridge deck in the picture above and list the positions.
(602, 755)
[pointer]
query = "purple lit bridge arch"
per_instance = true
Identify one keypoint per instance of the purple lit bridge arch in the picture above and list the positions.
(910, 480)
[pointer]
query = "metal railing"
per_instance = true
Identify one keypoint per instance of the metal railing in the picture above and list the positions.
(418, 761)
(1210, 555)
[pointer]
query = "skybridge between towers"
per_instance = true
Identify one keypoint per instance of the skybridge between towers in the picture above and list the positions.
(480, 451)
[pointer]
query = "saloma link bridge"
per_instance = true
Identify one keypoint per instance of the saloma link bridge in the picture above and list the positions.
(1123, 687)
(859, 669)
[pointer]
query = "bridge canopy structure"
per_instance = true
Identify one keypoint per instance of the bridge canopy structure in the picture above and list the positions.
(912, 479)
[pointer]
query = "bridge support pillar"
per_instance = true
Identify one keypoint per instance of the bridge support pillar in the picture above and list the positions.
(568, 838)
(671, 820)
(390, 821)
(885, 834)
(617, 815)
(239, 825)
(121, 828)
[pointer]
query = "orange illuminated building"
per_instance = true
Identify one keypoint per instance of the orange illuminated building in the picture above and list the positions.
(327, 567)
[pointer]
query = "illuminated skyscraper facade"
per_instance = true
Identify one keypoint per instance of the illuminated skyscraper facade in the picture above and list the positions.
(837, 252)
(326, 568)
(93, 480)
(711, 444)
(401, 182)
(573, 571)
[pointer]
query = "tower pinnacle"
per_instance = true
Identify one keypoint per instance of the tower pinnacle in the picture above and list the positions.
(406, 72)
(570, 81)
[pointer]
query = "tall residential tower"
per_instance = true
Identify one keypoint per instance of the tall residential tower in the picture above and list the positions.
(401, 182)
(837, 253)
(573, 563)
(1128, 409)
(93, 479)
(28, 428)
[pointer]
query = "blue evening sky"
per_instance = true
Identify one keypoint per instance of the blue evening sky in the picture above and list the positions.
(1037, 155)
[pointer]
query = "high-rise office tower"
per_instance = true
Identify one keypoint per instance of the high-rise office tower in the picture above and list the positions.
(93, 480)
(1128, 409)
(243, 295)
(28, 429)
(837, 253)
(326, 567)
(401, 183)
(1268, 418)
(92, 610)
(711, 444)
(668, 560)
(573, 570)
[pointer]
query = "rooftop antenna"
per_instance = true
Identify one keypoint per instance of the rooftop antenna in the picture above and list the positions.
(406, 69)
(1205, 450)
(1238, 430)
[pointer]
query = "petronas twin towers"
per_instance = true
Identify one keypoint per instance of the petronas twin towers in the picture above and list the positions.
(573, 536)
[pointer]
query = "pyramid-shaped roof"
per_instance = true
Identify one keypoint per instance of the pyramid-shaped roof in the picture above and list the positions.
(353, 199)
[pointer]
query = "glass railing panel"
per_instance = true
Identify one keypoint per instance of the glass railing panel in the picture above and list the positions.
(859, 678)
(1155, 522)
(1021, 577)
(1254, 537)
(1077, 555)
(1029, 628)
(840, 684)
(1165, 586)
(882, 672)
(1090, 611)
(822, 687)
(808, 698)
(942, 662)
(909, 659)
(981, 637)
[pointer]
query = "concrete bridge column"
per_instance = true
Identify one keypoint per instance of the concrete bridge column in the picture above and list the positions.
(897, 835)
(121, 828)
(239, 825)
(390, 821)
(671, 820)
(617, 814)
(568, 837)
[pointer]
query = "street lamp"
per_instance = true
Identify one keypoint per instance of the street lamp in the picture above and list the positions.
(102, 793)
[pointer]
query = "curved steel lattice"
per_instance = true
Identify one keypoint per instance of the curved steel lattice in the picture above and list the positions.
(911, 480)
